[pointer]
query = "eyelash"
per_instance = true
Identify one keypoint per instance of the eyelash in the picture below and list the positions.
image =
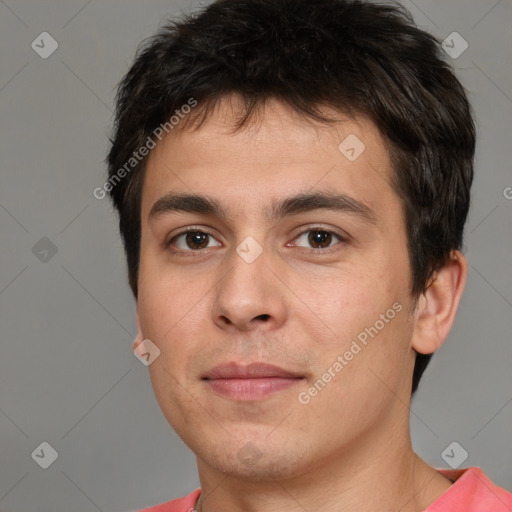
(312, 251)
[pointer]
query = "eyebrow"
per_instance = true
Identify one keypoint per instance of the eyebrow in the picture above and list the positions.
(300, 203)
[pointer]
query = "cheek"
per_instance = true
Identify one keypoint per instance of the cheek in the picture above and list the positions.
(358, 380)
(171, 322)
(345, 302)
(167, 298)
(168, 319)
(369, 329)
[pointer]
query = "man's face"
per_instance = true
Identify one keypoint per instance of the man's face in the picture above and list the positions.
(297, 294)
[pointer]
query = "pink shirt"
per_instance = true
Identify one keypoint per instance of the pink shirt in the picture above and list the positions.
(471, 491)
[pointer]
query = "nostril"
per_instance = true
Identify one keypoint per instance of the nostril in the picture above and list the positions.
(262, 317)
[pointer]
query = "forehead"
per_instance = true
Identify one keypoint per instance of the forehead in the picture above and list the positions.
(279, 151)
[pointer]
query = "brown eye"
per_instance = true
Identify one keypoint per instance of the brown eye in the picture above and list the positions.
(320, 239)
(192, 241)
(196, 240)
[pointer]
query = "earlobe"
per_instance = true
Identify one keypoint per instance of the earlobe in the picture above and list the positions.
(139, 336)
(437, 306)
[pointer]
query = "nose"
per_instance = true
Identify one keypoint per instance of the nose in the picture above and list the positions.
(249, 297)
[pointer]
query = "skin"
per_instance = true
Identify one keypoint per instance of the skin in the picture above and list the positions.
(296, 307)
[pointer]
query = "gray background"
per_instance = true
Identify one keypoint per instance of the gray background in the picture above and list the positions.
(67, 372)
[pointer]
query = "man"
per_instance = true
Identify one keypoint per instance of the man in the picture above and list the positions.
(292, 179)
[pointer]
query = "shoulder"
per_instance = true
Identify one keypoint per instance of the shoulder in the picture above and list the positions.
(471, 491)
(185, 504)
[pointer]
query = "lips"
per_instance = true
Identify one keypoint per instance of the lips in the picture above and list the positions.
(250, 371)
(253, 381)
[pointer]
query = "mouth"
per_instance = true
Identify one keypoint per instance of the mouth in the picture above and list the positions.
(253, 381)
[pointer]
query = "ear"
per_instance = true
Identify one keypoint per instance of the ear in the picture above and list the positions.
(437, 305)
(139, 337)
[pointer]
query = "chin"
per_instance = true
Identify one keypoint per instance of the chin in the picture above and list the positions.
(256, 465)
